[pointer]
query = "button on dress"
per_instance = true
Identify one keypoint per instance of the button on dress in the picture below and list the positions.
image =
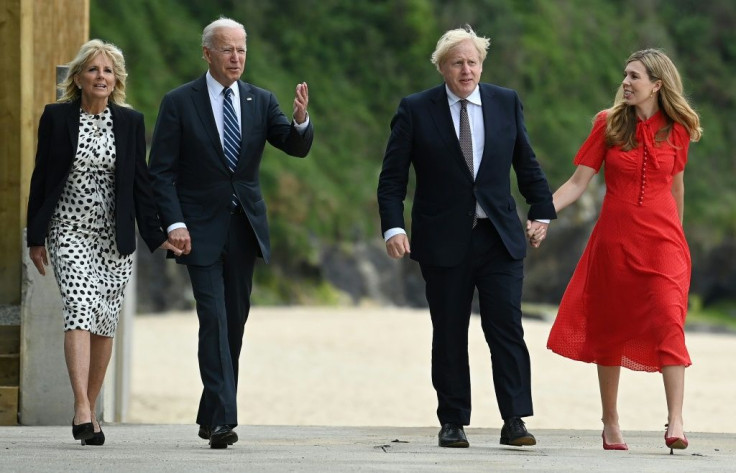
(627, 300)
(89, 269)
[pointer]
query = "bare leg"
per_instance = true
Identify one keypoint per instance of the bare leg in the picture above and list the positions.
(77, 355)
(100, 353)
(608, 377)
(674, 389)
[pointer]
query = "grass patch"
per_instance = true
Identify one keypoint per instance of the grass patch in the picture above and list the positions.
(722, 314)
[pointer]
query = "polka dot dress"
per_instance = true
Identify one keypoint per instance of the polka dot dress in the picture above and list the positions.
(90, 271)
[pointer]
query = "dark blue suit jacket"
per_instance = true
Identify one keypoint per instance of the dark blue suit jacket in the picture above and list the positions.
(192, 183)
(423, 136)
(58, 132)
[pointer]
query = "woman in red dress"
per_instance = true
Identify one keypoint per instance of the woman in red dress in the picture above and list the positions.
(627, 300)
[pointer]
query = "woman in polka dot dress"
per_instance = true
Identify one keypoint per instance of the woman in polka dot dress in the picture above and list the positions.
(89, 186)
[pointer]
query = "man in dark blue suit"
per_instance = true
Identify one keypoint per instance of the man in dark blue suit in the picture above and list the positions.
(463, 138)
(205, 160)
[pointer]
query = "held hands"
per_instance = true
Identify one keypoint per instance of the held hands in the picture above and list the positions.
(301, 100)
(39, 257)
(180, 241)
(536, 232)
(168, 246)
(397, 246)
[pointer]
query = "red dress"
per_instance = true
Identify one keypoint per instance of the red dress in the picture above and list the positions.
(627, 300)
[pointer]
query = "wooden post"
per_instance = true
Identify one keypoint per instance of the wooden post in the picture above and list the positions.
(35, 35)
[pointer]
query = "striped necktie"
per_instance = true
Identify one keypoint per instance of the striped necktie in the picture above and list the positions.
(231, 134)
(466, 143)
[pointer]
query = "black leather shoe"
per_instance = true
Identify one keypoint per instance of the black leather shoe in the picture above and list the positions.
(221, 436)
(452, 436)
(514, 433)
(204, 432)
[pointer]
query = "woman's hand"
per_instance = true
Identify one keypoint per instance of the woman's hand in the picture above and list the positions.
(39, 257)
(168, 246)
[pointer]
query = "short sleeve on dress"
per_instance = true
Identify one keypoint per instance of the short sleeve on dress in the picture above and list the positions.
(681, 141)
(593, 150)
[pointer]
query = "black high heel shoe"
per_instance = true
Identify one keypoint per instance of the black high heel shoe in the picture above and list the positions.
(97, 439)
(83, 432)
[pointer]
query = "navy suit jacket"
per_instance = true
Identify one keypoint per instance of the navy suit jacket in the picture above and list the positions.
(58, 133)
(192, 183)
(423, 136)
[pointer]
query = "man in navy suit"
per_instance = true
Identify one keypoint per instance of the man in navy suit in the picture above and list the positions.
(463, 138)
(205, 160)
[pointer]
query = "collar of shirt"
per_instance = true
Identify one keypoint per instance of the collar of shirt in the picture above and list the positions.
(215, 88)
(473, 98)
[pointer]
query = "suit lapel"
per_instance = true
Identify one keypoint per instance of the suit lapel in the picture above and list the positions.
(120, 126)
(72, 123)
(203, 107)
(446, 128)
(491, 117)
(248, 112)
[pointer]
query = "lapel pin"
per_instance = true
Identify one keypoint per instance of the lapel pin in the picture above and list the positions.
(249, 99)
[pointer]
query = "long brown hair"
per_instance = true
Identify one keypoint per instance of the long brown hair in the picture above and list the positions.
(621, 119)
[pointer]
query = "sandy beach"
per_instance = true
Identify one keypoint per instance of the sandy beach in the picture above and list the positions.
(371, 367)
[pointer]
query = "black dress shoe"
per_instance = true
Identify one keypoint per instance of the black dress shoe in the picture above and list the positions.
(453, 436)
(83, 431)
(204, 432)
(221, 436)
(514, 433)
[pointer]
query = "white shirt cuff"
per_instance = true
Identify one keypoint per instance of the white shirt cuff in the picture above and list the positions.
(174, 226)
(391, 232)
(300, 127)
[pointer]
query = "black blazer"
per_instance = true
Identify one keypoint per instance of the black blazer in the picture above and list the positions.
(58, 132)
(192, 183)
(423, 136)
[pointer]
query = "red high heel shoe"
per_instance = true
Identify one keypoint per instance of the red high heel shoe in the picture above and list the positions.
(613, 446)
(676, 443)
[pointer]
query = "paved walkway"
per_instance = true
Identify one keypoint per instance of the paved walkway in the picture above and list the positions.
(176, 448)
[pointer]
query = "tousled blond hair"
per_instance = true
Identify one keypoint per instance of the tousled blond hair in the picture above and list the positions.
(452, 38)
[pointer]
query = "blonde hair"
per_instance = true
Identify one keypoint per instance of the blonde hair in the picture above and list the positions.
(621, 119)
(454, 37)
(89, 50)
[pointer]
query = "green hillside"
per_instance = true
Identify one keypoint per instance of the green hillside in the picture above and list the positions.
(565, 58)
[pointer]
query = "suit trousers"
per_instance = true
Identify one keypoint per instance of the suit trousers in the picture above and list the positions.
(222, 293)
(449, 290)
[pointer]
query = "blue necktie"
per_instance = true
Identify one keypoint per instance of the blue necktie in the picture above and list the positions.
(231, 134)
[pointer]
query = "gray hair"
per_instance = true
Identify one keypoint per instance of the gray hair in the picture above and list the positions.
(222, 22)
(454, 37)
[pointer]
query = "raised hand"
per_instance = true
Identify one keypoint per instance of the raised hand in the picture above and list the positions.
(301, 101)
